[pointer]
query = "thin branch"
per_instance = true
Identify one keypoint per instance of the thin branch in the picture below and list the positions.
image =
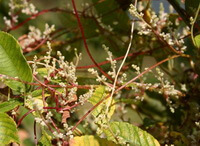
(116, 77)
(118, 58)
(36, 15)
(120, 88)
(85, 42)
(144, 72)
(26, 114)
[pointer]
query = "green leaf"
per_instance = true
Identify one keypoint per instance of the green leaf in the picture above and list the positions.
(15, 85)
(42, 71)
(89, 140)
(12, 61)
(36, 93)
(96, 97)
(45, 140)
(8, 130)
(197, 41)
(9, 105)
(130, 134)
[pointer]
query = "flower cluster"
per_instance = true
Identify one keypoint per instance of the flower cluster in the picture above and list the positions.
(35, 35)
(157, 23)
(23, 5)
(112, 62)
(28, 8)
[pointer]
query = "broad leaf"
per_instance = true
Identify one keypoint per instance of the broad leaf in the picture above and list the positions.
(89, 140)
(36, 93)
(15, 85)
(8, 130)
(197, 41)
(130, 134)
(12, 61)
(96, 97)
(9, 105)
(45, 140)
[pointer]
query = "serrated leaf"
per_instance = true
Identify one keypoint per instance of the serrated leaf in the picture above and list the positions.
(12, 61)
(89, 140)
(130, 134)
(9, 105)
(96, 97)
(8, 130)
(197, 41)
(45, 140)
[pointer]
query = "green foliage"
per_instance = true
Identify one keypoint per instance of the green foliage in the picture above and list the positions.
(75, 65)
(12, 62)
(90, 140)
(125, 133)
(9, 105)
(191, 7)
(8, 130)
(197, 41)
(98, 95)
(45, 140)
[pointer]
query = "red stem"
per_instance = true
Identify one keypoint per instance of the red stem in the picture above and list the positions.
(106, 62)
(85, 42)
(36, 15)
(21, 119)
(28, 19)
(120, 88)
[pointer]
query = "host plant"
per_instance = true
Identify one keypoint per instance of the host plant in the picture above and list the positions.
(145, 92)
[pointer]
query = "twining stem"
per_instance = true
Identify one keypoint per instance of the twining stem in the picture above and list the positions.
(123, 86)
(85, 42)
(116, 77)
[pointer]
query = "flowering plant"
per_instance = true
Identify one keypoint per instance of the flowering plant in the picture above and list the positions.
(144, 92)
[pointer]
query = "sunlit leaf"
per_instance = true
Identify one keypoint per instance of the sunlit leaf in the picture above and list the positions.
(89, 140)
(42, 71)
(45, 140)
(126, 133)
(8, 130)
(96, 97)
(197, 41)
(12, 61)
(9, 105)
